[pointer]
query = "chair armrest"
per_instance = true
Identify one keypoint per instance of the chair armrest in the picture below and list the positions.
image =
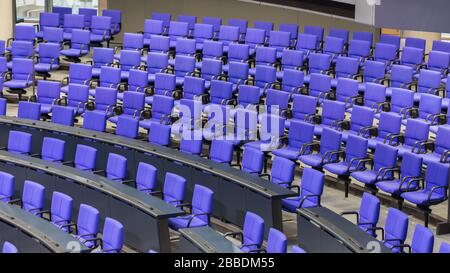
(192, 217)
(306, 197)
(375, 229)
(355, 213)
(410, 180)
(435, 189)
(361, 162)
(312, 146)
(234, 235)
(400, 139)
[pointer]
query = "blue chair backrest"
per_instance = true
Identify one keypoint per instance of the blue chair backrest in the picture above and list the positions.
(396, 227)
(146, 177)
(416, 130)
(202, 202)
(112, 236)
(390, 124)
(374, 94)
(385, 157)
(127, 127)
(88, 222)
(276, 242)
(85, 158)
(9, 248)
(19, 142)
(303, 106)
(53, 149)
(29, 110)
(282, 172)
(33, 197)
(61, 209)
(116, 167)
(7, 182)
(400, 99)
(253, 230)
(312, 184)
(174, 189)
(401, 76)
(62, 115)
(95, 120)
(300, 133)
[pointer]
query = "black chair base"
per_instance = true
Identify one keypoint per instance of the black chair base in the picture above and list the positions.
(18, 92)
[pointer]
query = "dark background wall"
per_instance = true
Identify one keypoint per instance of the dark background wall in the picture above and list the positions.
(422, 15)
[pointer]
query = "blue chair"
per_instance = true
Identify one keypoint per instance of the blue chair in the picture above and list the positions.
(252, 235)
(87, 226)
(21, 77)
(265, 77)
(300, 135)
(236, 53)
(355, 150)
(127, 127)
(303, 107)
(319, 86)
(318, 31)
(307, 44)
(200, 210)
(160, 134)
(422, 241)
(242, 24)
(363, 36)
(429, 82)
(402, 102)
(132, 42)
(23, 33)
(276, 242)
(137, 82)
(384, 160)
(444, 248)
(221, 151)
(347, 91)
(395, 230)
(20, 50)
(202, 33)
(252, 161)
(156, 63)
(279, 40)
(177, 30)
(440, 147)
(7, 182)
(416, 43)
(116, 168)
(270, 134)
(161, 112)
(265, 56)
(80, 46)
(112, 237)
(152, 27)
(409, 176)
(146, 178)
(132, 106)
(438, 61)
(72, 22)
(290, 60)
(319, 63)
(430, 107)
(95, 121)
(401, 77)
(60, 213)
(374, 72)
(213, 21)
(282, 172)
(330, 144)
(360, 50)
(88, 13)
(375, 98)
(63, 116)
(3, 105)
(361, 123)
(391, 40)
(385, 53)
(9, 248)
(211, 70)
(433, 192)
(77, 98)
(159, 44)
(101, 30)
(416, 132)
(345, 67)
(277, 103)
(19, 143)
(29, 110)
(85, 158)
(129, 59)
(48, 95)
(368, 214)
(32, 198)
(228, 35)
(298, 250)
(47, 20)
(184, 47)
(53, 150)
(48, 59)
(334, 47)
(266, 26)
(105, 101)
(340, 33)
(255, 38)
(293, 30)
(310, 191)
(174, 189)
(61, 11)
(238, 74)
(116, 20)
(110, 77)
(412, 57)
(292, 81)
(78, 74)
(333, 112)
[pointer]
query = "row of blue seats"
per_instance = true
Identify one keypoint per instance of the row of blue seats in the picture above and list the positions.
(173, 193)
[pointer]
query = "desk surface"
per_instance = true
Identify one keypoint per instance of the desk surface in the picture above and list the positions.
(46, 233)
(254, 183)
(209, 240)
(153, 206)
(351, 235)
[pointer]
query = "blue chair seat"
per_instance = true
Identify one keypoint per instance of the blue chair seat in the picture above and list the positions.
(421, 197)
(345, 135)
(74, 52)
(339, 168)
(247, 249)
(74, 109)
(403, 149)
(393, 186)
(17, 84)
(318, 129)
(182, 222)
(40, 67)
(373, 142)
(366, 177)
(288, 152)
(314, 160)
(65, 89)
(292, 204)
(147, 123)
